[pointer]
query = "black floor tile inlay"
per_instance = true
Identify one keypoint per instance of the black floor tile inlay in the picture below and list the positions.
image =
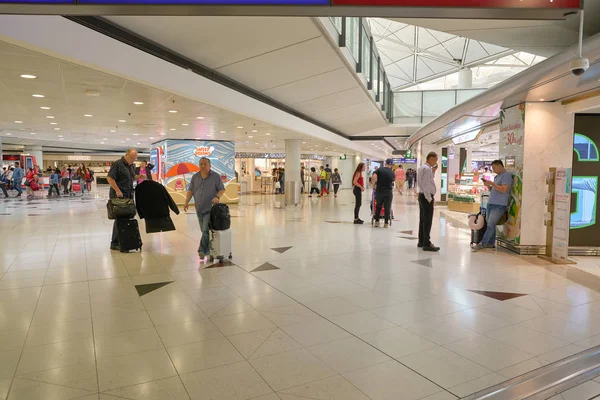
(150, 287)
(425, 262)
(265, 267)
(281, 250)
(498, 295)
(407, 232)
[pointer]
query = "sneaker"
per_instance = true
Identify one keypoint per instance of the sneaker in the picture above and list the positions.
(359, 221)
(376, 224)
(477, 247)
(386, 225)
(431, 247)
(489, 247)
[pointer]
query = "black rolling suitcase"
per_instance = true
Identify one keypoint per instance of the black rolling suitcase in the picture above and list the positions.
(128, 232)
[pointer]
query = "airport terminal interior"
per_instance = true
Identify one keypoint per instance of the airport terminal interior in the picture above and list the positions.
(301, 293)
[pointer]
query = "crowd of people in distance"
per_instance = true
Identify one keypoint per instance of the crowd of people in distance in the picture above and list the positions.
(72, 180)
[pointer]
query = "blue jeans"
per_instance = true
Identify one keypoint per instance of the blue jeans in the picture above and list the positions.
(204, 219)
(493, 214)
(17, 186)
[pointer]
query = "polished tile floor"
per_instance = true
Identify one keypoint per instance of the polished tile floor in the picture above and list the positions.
(313, 307)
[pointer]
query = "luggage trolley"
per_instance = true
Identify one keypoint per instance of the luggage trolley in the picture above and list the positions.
(382, 215)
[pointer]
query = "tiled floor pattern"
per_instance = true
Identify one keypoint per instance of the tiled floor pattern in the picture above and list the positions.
(348, 312)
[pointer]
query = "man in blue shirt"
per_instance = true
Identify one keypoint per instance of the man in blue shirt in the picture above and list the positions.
(500, 190)
(207, 188)
(17, 179)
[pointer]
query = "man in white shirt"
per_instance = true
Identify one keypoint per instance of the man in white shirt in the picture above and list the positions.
(427, 191)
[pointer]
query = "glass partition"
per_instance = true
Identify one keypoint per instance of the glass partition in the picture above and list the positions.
(424, 106)
(337, 22)
(365, 62)
(352, 33)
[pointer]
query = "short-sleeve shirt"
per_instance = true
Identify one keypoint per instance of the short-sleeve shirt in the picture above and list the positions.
(400, 174)
(385, 178)
(123, 174)
(205, 190)
(496, 197)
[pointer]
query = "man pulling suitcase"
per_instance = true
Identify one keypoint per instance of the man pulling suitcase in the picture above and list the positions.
(125, 234)
(206, 188)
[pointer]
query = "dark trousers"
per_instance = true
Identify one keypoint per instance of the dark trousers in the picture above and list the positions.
(314, 190)
(383, 199)
(3, 188)
(114, 241)
(425, 220)
(336, 187)
(358, 198)
(53, 187)
(65, 185)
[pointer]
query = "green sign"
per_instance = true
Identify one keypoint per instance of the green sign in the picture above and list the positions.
(343, 157)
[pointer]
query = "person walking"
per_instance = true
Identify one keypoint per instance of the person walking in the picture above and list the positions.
(336, 180)
(30, 178)
(54, 179)
(328, 173)
(65, 179)
(427, 191)
(282, 180)
(323, 181)
(314, 182)
(400, 178)
(358, 187)
(383, 181)
(4, 182)
(206, 188)
(17, 178)
(500, 190)
(120, 178)
(410, 178)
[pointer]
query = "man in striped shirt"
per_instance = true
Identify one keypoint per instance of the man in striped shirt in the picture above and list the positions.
(427, 191)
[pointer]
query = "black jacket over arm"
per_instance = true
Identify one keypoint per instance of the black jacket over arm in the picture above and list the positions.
(153, 202)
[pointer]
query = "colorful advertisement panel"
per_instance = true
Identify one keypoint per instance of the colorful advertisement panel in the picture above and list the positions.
(586, 169)
(512, 149)
(541, 4)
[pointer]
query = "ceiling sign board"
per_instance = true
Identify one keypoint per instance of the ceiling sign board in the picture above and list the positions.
(211, 2)
(538, 4)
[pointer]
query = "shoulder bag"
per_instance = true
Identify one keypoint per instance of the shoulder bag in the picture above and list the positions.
(121, 207)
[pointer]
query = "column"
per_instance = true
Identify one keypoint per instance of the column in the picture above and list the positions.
(35, 151)
(292, 171)
(253, 183)
(465, 78)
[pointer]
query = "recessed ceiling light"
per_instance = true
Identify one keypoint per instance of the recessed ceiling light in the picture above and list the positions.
(112, 130)
(136, 134)
(122, 141)
(303, 142)
(45, 108)
(50, 116)
(199, 117)
(250, 136)
(162, 134)
(542, 99)
(172, 129)
(254, 130)
(27, 76)
(127, 139)
(268, 134)
(60, 136)
(151, 138)
(101, 142)
(185, 124)
(8, 133)
(104, 138)
(240, 127)
(173, 111)
(53, 123)
(18, 122)
(32, 133)
(122, 120)
(92, 93)
(138, 103)
(57, 129)
(255, 142)
(223, 132)
(39, 96)
(139, 142)
(88, 115)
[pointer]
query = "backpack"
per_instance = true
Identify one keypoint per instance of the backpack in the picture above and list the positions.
(220, 219)
(328, 176)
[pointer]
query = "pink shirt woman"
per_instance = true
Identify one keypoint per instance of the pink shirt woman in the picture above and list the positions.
(400, 179)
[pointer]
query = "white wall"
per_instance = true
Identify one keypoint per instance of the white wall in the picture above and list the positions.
(548, 143)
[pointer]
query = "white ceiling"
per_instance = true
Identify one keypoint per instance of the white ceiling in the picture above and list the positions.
(288, 59)
(64, 85)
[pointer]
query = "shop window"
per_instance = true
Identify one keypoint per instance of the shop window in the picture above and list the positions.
(585, 148)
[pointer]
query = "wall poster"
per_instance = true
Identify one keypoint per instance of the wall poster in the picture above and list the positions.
(512, 149)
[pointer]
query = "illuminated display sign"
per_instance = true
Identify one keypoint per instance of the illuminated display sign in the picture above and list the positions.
(38, 2)
(212, 2)
(542, 4)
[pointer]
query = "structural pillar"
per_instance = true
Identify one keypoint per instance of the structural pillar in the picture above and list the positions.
(293, 182)
(251, 175)
(465, 78)
(35, 151)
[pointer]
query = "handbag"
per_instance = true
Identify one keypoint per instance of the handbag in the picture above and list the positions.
(120, 207)
(277, 185)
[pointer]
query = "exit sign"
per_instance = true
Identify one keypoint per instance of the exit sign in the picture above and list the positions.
(343, 157)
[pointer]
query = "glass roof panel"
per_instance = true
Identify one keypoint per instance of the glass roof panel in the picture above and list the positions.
(425, 59)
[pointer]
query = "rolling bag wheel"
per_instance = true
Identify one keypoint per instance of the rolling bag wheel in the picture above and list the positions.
(211, 258)
(230, 256)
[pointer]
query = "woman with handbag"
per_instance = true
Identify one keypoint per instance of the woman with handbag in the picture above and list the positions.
(30, 183)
